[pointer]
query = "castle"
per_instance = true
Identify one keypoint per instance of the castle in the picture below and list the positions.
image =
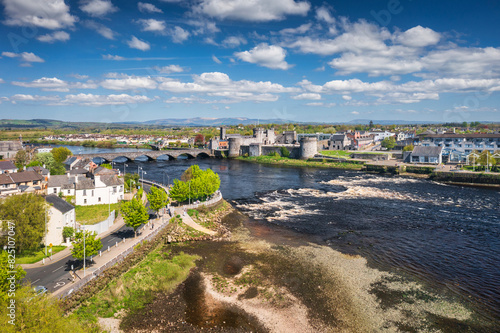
(265, 142)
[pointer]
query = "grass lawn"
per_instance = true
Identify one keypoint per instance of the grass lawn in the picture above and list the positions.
(158, 272)
(284, 161)
(94, 214)
(37, 255)
(347, 153)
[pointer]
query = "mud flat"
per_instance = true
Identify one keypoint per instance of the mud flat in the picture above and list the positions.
(272, 280)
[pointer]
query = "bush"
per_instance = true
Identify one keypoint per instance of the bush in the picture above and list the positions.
(68, 232)
(285, 152)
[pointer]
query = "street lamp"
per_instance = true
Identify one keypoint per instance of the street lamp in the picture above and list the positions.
(168, 178)
(189, 192)
(124, 166)
(84, 258)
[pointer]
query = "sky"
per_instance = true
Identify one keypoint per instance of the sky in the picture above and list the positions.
(303, 61)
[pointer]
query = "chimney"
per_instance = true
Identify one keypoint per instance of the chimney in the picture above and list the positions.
(67, 174)
(76, 179)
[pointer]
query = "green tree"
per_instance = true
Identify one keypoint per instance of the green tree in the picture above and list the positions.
(92, 245)
(157, 198)
(134, 213)
(107, 166)
(408, 148)
(370, 125)
(22, 158)
(45, 159)
(27, 213)
(199, 185)
(8, 269)
(34, 163)
(57, 169)
(68, 232)
(389, 143)
(61, 153)
(486, 158)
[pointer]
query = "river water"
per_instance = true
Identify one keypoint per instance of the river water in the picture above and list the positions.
(446, 237)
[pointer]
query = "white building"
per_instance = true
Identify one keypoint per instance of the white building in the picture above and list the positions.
(379, 135)
(61, 214)
(88, 191)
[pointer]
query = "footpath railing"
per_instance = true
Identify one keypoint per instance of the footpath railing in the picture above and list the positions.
(119, 258)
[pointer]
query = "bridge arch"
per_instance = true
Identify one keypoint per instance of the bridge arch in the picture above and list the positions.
(150, 158)
(112, 158)
(203, 155)
(188, 155)
(170, 156)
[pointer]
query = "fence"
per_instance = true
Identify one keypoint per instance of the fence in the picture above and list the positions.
(119, 258)
(102, 226)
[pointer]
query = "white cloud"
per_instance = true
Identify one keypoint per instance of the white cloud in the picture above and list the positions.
(61, 36)
(100, 29)
(216, 60)
(355, 112)
(152, 25)
(312, 96)
(98, 8)
(233, 41)
(270, 56)
(219, 85)
(79, 77)
(130, 83)
(30, 57)
(299, 30)
(418, 37)
(10, 54)
(136, 43)
(346, 97)
(178, 34)
(148, 8)
(112, 57)
(255, 10)
(100, 100)
(169, 69)
(55, 84)
(32, 98)
(2, 80)
(52, 14)
(375, 65)
(27, 57)
(323, 14)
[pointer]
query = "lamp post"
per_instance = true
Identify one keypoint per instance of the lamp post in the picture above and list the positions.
(189, 192)
(168, 178)
(109, 202)
(45, 217)
(84, 258)
(124, 166)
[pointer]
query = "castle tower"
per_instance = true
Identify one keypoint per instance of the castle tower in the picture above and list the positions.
(308, 147)
(234, 146)
(222, 133)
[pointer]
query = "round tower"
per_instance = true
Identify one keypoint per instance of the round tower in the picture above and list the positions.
(234, 146)
(308, 147)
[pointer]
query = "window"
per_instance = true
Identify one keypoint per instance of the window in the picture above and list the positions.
(92, 192)
(99, 199)
(85, 192)
(55, 190)
(114, 189)
(69, 191)
(84, 201)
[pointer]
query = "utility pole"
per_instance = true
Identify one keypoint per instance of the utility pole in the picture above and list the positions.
(45, 217)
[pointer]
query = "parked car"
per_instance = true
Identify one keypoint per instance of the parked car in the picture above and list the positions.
(40, 290)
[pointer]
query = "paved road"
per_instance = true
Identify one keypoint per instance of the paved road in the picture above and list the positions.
(55, 275)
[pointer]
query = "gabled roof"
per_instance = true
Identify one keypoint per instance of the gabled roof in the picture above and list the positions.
(100, 171)
(427, 151)
(5, 179)
(10, 145)
(39, 169)
(25, 176)
(112, 180)
(7, 165)
(61, 205)
(338, 137)
(85, 184)
(70, 160)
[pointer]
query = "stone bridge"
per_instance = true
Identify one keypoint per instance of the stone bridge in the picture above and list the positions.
(152, 154)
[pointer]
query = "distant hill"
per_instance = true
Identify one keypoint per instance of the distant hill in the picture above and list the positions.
(200, 121)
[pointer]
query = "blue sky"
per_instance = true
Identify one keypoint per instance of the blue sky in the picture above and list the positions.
(322, 61)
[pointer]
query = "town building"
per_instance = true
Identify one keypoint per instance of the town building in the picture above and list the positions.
(431, 155)
(61, 214)
(9, 149)
(21, 182)
(339, 142)
(7, 167)
(458, 146)
(87, 191)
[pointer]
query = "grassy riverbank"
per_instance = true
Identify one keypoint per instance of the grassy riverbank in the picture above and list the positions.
(158, 272)
(312, 163)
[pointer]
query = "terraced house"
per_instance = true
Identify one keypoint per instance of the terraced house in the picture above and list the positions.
(458, 146)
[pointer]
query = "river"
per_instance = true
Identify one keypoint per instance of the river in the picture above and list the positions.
(446, 237)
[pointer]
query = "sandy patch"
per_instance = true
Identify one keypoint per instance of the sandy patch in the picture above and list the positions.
(291, 317)
(111, 325)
